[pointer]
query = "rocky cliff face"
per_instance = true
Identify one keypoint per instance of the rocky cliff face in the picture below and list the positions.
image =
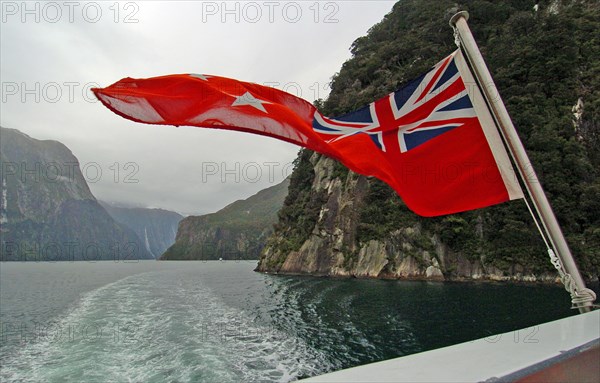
(238, 231)
(156, 228)
(411, 251)
(47, 212)
(335, 222)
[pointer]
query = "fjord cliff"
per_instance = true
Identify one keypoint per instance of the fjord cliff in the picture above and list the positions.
(238, 231)
(156, 228)
(546, 64)
(47, 212)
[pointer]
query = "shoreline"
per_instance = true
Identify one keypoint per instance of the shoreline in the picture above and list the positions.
(541, 280)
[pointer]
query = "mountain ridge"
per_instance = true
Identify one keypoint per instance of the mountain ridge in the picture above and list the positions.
(47, 210)
(237, 231)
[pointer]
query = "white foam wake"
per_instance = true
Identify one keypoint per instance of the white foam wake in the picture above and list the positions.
(139, 330)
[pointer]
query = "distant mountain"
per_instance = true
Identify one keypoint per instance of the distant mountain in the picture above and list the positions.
(238, 231)
(156, 228)
(47, 211)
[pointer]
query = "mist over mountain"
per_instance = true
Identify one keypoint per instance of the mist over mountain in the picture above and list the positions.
(156, 228)
(47, 212)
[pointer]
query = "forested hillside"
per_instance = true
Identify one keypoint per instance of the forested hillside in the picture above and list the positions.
(546, 64)
(238, 231)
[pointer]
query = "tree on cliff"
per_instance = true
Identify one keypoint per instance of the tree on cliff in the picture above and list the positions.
(546, 64)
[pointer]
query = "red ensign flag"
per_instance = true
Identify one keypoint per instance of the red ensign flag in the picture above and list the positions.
(433, 141)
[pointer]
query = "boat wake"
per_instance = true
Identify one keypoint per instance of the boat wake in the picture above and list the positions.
(139, 331)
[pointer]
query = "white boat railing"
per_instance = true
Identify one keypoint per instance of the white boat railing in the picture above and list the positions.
(507, 357)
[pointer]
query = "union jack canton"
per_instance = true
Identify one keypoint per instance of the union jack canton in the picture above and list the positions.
(424, 109)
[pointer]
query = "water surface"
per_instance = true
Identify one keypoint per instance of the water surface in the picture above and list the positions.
(199, 321)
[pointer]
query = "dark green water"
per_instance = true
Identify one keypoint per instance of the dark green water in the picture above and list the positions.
(222, 322)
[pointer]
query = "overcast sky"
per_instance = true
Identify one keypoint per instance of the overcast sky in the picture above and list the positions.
(53, 52)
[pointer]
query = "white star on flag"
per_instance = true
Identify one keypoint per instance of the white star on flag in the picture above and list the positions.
(248, 99)
(200, 76)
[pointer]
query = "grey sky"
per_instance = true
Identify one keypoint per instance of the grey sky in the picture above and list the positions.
(53, 52)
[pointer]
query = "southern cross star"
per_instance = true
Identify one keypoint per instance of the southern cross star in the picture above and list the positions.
(248, 99)
(200, 76)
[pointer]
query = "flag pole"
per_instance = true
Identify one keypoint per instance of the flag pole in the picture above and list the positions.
(582, 297)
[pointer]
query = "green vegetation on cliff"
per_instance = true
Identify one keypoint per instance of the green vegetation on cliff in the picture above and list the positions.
(298, 223)
(546, 65)
(238, 231)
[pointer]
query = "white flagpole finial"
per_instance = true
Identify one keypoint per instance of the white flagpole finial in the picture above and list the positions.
(457, 16)
(453, 21)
